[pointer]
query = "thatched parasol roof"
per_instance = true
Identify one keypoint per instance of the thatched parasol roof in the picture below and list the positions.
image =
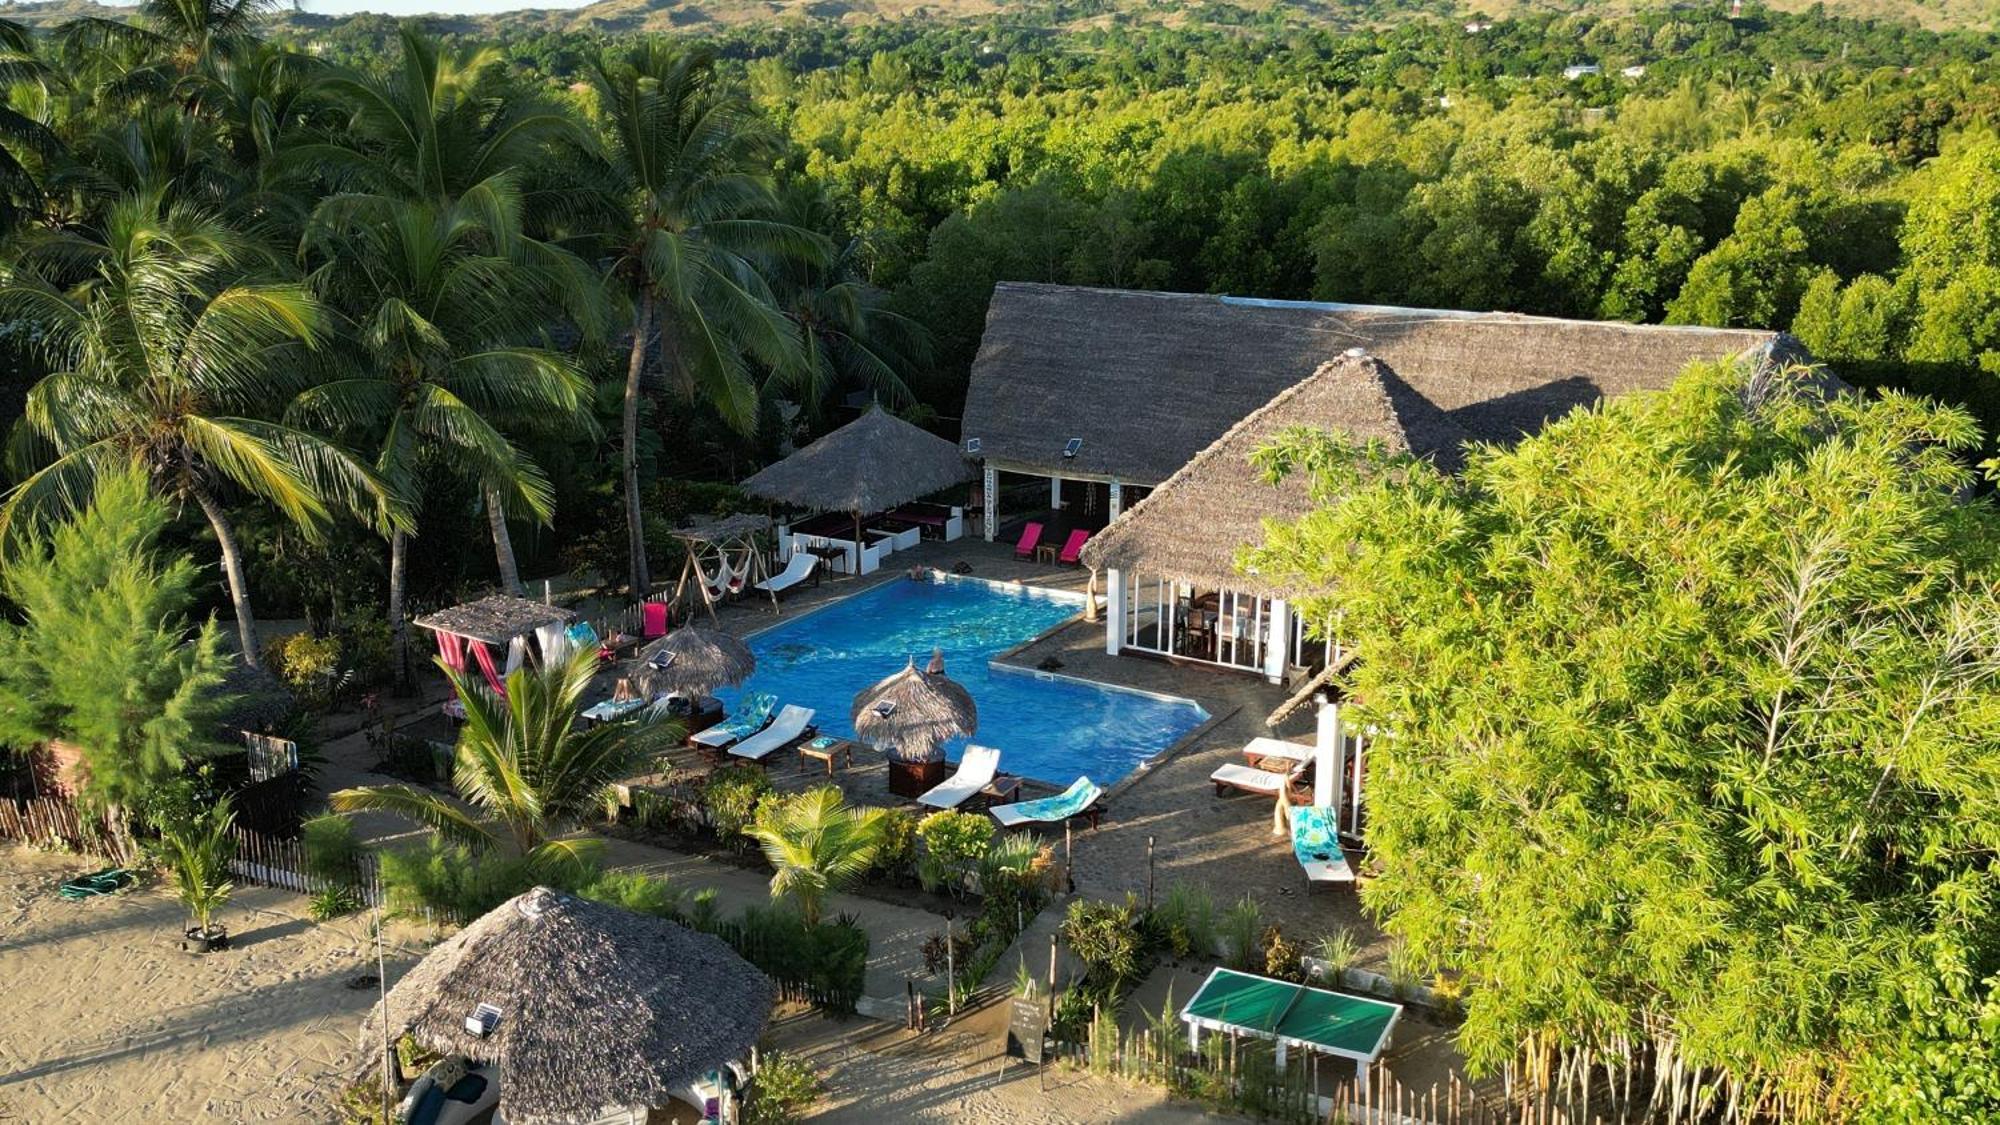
(1148, 380)
(869, 465)
(497, 619)
(914, 711)
(600, 1008)
(693, 661)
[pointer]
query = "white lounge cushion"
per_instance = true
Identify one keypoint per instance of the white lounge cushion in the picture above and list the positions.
(975, 772)
(790, 723)
(1278, 748)
(1240, 776)
(797, 569)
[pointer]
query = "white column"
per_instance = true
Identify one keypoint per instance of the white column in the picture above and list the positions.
(1277, 639)
(992, 513)
(1055, 493)
(1328, 750)
(1114, 617)
(1117, 499)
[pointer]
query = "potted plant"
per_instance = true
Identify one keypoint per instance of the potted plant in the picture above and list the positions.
(197, 853)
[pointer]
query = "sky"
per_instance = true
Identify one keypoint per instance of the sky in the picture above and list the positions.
(430, 7)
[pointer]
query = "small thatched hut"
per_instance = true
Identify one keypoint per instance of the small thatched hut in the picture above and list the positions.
(872, 464)
(600, 1009)
(471, 632)
(911, 714)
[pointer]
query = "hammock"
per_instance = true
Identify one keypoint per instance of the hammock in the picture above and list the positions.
(729, 577)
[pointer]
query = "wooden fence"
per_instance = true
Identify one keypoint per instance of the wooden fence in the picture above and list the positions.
(55, 822)
(273, 862)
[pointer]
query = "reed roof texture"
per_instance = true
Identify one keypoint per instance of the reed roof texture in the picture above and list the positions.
(1149, 380)
(869, 465)
(600, 1008)
(702, 660)
(728, 529)
(497, 619)
(913, 711)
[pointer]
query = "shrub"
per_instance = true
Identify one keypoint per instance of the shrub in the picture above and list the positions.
(826, 964)
(1337, 948)
(784, 1087)
(1242, 931)
(1281, 958)
(895, 853)
(954, 843)
(731, 795)
(312, 668)
(639, 893)
(450, 883)
(333, 854)
(367, 647)
(1105, 937)
(332, 902)
(1184, 921)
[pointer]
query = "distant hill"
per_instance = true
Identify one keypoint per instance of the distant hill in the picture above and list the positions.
(614, 16)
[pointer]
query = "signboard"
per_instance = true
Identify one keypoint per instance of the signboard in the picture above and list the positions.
(1027, 1023)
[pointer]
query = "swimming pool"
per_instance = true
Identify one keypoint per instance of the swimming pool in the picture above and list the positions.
(1046, 727)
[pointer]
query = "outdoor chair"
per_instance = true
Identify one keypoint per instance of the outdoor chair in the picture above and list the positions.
(1264, 783)
(975, 772)
(653, 620)
(797, 569)
(1031, 537)
(1081, 799)
(756, 712)
(792, 724)
(1317, 846)
(1072, 552)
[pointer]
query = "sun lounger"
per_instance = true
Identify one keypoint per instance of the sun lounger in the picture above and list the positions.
(1317, 846)
(975, 772)
(1072, 552)
(797, 569)
(751, 719)
(1031, 536)
(1080, 799)
(611, 709)
(1235, 775)
(1262, 749)
(791, 724)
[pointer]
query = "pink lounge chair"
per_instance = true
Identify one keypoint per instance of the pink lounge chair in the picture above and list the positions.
(655, 620)
(1030, 536)
(1072, 552)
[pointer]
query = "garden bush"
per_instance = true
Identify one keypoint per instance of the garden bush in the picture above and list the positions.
(637, 892)
(953, 845)
(731, 796)
(785, 1087)
(333, 854)
(896, 852)
(1106, 937)
(1184, 921)
(1242, 935)
(450, 883)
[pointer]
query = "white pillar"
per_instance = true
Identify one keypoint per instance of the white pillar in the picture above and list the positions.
(1117, 503)
(1280, 1056)
(992, 513)
(1277, 643)
(1055, 493)
(1114, 615)
(1328, 750)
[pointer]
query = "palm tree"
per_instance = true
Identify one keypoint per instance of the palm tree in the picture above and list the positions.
(437, 304)
(699, 226)
(817, 845)
(26, 141)
(163, 354)
(522, 765)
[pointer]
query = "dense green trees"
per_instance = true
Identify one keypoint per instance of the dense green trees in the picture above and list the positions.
(1687, 707)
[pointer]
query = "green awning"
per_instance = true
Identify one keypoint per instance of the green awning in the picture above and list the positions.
(1353, 1027)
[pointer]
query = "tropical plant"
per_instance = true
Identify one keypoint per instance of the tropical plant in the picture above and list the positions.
(816, 844)
(523, 766)
(197, 855)
(164, 355)
(1105, 937)
(784, 1087)
(99, 593)
(954, 843)
(731, 797)
(698, 220)
(1242, 932)
(1745, 634)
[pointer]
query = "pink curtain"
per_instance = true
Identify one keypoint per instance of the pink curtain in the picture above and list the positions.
(485, 661)
(451, 646)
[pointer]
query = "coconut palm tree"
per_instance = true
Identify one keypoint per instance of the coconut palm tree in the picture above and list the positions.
(27, 142)
(164, 352)
(522, 766)
(699, 226)
(817, 845)
(438, 305)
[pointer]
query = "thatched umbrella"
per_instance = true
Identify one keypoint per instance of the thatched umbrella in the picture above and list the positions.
(693, 661)
(913, 712)
(870, 465)
(600, 1008)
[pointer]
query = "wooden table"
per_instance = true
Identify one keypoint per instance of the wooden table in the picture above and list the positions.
(841, 748)
(1047, 553)
(1002, 790)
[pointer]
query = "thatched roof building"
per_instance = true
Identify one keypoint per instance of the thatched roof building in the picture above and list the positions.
(1149, 380)
(870, 465)
(913, 712)
(600, 1008)
(496, 620)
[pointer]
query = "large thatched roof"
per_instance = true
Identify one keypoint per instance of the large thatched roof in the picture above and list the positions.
(600, 1008)
(693, 661)
(913, 711)
(496, 620)
(869, 465)
(1148, 380)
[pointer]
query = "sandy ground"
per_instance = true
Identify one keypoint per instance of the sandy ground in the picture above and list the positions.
(107, 1019)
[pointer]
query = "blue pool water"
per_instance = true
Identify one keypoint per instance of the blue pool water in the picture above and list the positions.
(1046, 728)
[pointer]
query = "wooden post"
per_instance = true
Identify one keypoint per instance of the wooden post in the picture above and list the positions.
(1149, 873)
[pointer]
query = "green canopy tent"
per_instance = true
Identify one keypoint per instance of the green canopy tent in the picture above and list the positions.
(1291, 1015)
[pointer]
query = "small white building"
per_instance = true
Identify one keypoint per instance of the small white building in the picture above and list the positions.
(1581, 70)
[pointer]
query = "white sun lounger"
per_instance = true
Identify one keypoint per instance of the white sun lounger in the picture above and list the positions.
(1277, 748)
(975, 772)
(791, 722)
(797, 569)
(1235, 775)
